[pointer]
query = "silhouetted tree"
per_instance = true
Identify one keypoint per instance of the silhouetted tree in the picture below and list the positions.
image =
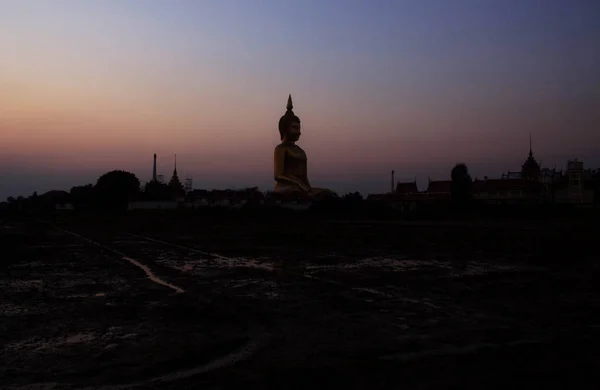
(82, 196)
(34, 201)
(157, 191)
(461, 183)
(353, 197)
(115, 189)
(177, 189)
(49, 200)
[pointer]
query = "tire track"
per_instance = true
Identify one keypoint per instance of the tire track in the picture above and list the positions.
(149, 274)
(259, 337)
(230, 259)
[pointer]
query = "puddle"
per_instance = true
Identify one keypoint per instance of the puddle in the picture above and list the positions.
(381, 262)
(372, 291)
(403, 265)
(254, 263)
(421, 302)
(20, 285)
(101, 294)
(185, 268)
(55, 246)
(80, 338)
(9, 309)
(204, 264)
(46, 344)
(28, 265)
(245, 283)
(74, 283)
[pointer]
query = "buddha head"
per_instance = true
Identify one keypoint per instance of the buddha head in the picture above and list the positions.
(289, 124)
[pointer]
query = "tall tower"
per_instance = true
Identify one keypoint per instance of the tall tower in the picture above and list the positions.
(188, 184)
(154, 169)
(392, 188)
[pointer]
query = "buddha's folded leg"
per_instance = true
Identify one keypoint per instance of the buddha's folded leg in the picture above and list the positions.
(287, 187)
(321, 192)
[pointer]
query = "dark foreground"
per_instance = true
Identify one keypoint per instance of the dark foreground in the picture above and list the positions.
(169, 303)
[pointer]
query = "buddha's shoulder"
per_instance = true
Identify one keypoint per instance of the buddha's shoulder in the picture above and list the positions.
(288, 147)
(281, 147)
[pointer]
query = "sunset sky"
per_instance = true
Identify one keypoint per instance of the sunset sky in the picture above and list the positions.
(90, 86)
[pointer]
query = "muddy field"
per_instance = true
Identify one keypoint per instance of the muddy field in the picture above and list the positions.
(170, 303)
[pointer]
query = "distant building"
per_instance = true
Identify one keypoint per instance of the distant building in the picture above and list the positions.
(225, 198)
(530, 169)
(64, 207)
(403, 188)
(573, 186)
(532, 184)
(188, 184)
(506, 190)
(153, 205)
(576, 186)
(439, 188)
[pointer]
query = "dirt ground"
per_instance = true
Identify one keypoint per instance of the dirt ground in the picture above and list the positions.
(167, 303)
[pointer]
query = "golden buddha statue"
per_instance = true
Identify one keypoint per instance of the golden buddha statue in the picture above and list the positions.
(290, 160)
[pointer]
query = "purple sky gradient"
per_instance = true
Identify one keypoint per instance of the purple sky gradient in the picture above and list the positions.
(414, 86)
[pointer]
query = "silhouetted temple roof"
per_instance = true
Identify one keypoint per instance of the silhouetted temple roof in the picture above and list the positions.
(406, 188)
(531, 168)
(54, 193)
(440, 186)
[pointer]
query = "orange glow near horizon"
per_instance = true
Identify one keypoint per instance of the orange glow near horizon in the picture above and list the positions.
(96, 85)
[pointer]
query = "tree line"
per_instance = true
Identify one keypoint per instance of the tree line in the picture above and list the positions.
(115, 189)
(112, 190)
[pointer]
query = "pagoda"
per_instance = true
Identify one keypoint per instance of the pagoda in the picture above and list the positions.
(531, 168)
(175, 184)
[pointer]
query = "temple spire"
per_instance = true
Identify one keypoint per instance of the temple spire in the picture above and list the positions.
(289, 105)
(530, 149)
(530, 169)
(174, 183)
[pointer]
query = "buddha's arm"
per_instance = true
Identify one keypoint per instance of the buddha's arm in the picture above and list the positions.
(279, 171)
(306, 175)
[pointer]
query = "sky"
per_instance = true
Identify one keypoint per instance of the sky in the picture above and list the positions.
(379, 85)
